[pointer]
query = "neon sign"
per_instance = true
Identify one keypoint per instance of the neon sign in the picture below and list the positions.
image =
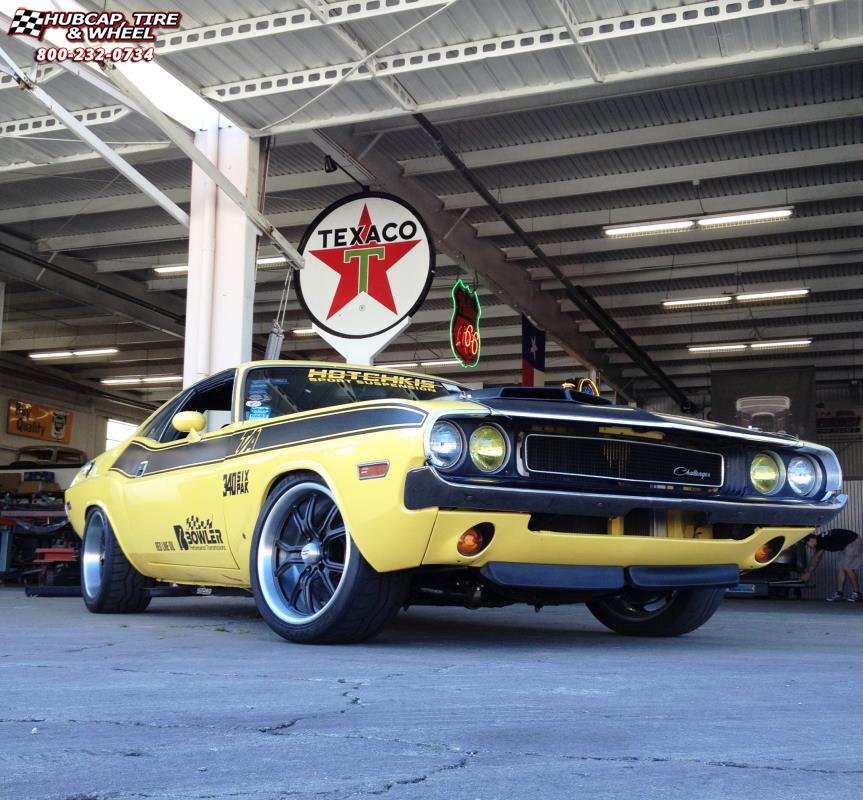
(464, 334)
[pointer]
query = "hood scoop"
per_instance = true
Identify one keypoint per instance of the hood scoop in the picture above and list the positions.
(538, 393)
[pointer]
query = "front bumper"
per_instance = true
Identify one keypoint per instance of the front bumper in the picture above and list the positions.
(590, 578)
(425, 488)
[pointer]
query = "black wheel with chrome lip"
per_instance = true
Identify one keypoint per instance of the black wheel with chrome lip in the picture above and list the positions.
(673, 613)
(310, 582)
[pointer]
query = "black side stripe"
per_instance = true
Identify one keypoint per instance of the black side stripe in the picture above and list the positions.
(326, 426)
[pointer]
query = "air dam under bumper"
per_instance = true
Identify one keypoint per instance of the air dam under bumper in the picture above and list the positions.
(580, 578)
(425, 488)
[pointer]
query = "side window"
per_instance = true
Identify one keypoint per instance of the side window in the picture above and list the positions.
(213, 401)
(162, 419)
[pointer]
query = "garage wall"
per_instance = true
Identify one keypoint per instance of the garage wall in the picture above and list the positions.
(88, 427)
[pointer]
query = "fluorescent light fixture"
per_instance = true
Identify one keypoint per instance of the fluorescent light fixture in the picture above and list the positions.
(400, 366)
(746, 217)
(648, 227)
(779, 343)
(304, 331)
(120, 381)
(132, 381)
(441, 363)
(698, 301)
(58, 354)
(716, 348)
(783, 294)
(95, 351)
(180, 268)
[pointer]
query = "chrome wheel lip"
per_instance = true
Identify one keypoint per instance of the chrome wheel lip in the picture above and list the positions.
(266, 557)
(93, 555)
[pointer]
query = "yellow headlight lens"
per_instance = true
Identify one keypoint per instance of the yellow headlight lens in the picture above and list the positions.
(765, 473)
(487, 448)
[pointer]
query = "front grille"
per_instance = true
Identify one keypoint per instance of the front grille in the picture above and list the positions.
(622, 460)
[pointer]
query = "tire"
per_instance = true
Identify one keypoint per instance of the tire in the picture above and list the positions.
(109, 583)
(310, 582)
(666, 614)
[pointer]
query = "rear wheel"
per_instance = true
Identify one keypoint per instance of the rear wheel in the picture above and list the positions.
(310, 582)
(109, 583)
(638, 613)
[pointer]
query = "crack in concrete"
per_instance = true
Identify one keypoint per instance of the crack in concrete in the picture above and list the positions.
(699, 762)
(274, 729)
(390, 785)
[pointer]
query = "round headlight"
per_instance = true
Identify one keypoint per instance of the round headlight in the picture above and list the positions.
(765, 472)
(802, 475)
(445, 445)
(488, 448)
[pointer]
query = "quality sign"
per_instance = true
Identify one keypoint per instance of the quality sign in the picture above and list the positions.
(369, 263)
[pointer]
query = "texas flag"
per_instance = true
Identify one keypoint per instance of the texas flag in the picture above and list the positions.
(532, 354)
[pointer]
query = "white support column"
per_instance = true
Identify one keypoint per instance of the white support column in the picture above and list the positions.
(221, 282)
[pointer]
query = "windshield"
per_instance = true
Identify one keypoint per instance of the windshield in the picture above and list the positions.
(276, 391)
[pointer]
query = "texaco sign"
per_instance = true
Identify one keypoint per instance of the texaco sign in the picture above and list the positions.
(369, 262)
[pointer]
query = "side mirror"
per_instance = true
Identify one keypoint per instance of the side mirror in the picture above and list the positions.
(191, 422)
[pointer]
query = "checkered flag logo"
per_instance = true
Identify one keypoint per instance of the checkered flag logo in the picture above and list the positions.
(27, 23)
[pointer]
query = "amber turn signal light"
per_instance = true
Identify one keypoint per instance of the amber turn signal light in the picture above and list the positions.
(769, 550)
(377, 469)
(470, 542)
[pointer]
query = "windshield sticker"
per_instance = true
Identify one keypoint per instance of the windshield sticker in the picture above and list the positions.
(263, 412)
(370, 379)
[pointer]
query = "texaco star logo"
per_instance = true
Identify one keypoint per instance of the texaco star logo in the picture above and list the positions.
(363, 264)
(369, 264)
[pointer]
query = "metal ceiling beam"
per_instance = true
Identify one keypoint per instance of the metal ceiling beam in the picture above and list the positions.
(301, 19)
(672, 262)
(811, 356)
(159, 233)
(39, 339)
(610, 244)
(662, 318)
(44, 73)
(86, 206)
(49, 166)
(593, 274)
(506, 155)
(41, 125)
(80, 129)
(507, 99)
(389, 66)
(645, 136)
(776, 329)
(79, 281)
(676, 210)
(683, 173)
(550, 222)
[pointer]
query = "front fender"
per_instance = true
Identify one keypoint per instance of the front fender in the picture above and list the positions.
(389, 536)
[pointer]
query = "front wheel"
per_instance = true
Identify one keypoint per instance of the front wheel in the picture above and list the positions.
(310, 583)
(638, 613)
(109, 583)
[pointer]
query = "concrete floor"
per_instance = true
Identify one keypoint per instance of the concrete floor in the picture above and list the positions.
(197, 699)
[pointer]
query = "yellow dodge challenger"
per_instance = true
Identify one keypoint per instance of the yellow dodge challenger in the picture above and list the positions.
(338, 495)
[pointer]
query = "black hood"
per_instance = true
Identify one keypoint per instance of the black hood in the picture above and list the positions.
(564, 404)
